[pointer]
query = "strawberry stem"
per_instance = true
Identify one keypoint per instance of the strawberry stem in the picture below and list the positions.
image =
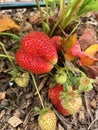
(12, 35)
(7, 55)
(41, 13)
(57, 67)
(75, 27)
(36, 87)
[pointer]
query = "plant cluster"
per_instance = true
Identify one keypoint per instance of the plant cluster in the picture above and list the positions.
(42, 52)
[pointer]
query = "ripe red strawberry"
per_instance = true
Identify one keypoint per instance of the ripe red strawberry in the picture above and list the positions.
(71, 101)
(47, 120)
(57, 42)
(34, 64)
(54, 95)
(36, 53)
(38, 43)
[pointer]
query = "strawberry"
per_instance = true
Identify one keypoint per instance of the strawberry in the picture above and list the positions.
(71, 101)
(22, 80)
(60, 76)
(37, 43)
(34, 64)
(54, 95)
(47, 120)
(85, 84)
(36, 53)
(57, 42)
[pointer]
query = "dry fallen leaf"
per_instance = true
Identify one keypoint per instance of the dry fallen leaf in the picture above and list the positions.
(73, 50)
(14, 121)
(87, 38)
(92, 50)
(92, 71)
(86, 60)
(2, 95)
(6, 23)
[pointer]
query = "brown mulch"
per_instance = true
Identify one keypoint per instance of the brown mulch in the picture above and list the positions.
(20, 103)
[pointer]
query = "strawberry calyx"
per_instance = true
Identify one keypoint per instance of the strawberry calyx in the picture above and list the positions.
(44, 110)
(86, 84)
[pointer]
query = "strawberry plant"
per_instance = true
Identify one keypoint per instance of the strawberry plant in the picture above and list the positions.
(58, 54)
(67, 14)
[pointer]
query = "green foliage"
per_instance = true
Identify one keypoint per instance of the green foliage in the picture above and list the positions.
(87, 6)
(74, 9)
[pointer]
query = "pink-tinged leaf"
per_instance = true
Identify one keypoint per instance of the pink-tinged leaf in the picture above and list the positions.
(76, 50)
(73, 50)
(69, 44)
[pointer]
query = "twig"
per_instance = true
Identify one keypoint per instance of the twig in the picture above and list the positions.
(92, 123)
(64, 122)
(65, 35)
(88, 107)
(26, 119)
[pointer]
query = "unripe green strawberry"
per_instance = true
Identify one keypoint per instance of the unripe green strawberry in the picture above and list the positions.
(22, 80)
(71, 101)
(47, 120)
(85, 84)
(60, 77)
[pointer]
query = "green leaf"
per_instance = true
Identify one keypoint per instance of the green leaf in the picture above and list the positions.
(89, 5)
(13, 72)
(46, 27)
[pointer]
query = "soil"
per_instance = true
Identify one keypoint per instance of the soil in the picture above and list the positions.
(17, 105)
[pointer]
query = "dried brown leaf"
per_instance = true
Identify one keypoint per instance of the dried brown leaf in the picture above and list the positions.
(92, 71)
(6, 23)
(33, 19)
(87, 38)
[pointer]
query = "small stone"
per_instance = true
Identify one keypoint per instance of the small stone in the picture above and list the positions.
(93, 103)
(14, 121)
(2, 95)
